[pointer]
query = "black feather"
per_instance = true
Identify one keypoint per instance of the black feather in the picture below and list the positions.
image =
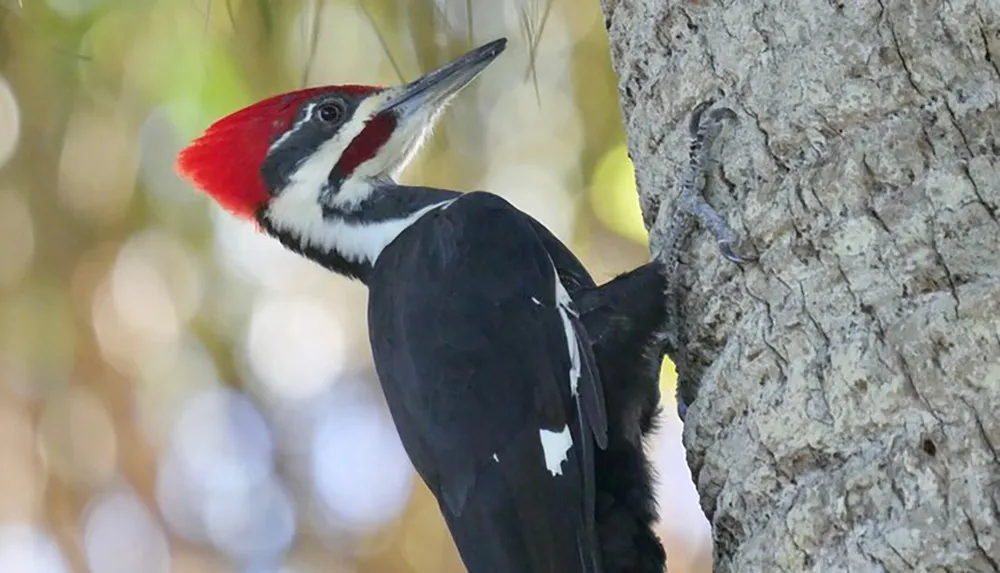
(471, 351)
(624, 319)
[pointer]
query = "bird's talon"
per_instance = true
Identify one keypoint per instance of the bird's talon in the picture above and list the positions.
(694, 124)
(726, 249)
(721, 114)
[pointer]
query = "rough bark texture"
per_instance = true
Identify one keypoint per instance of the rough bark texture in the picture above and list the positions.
(848, 417)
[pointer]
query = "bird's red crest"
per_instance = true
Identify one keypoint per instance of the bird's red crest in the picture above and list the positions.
(225, 160)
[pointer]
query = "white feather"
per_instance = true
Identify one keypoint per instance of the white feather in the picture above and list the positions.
(565, 305)
(297, 211)
(555, 446)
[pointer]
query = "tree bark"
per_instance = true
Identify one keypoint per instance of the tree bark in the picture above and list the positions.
(848, 417)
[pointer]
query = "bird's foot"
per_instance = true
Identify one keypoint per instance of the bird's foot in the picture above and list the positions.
(704, 129)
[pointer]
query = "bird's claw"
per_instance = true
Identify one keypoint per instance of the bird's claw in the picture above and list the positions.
(701, 125)
(727, 252)
(704, 127)
(723, 114)
(694, 124)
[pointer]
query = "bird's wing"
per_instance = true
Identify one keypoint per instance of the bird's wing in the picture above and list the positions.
(492, 383)
(572, 273)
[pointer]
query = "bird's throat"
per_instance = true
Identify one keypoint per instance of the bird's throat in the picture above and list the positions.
(348, 239)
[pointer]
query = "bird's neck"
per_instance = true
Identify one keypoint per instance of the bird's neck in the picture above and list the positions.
(347, 239)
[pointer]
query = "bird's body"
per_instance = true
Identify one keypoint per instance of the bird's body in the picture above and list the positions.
(622, 318)
(507, 443)
(522, 391)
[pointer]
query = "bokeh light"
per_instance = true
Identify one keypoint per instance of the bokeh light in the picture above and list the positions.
(223, 441)
(10, 121)
(73, 8)
(361, 472)
(254, 526)
(25, 474)
(77, 437)
(294, 346)
(96, 182)
(537, 191)
(167, 381)
(216, 483)
(26, 549)
(613, 195)
(141, 297)
(17, 235)
(322, 61)
(120, 535)
(159, 145)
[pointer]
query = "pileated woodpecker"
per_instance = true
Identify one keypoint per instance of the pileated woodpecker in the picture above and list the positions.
(521, 390)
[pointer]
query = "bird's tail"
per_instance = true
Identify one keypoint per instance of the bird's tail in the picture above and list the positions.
(624, 318)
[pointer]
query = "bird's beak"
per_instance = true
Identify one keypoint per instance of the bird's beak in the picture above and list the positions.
(430, 91)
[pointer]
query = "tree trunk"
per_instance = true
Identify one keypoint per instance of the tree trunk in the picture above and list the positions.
(848, 417)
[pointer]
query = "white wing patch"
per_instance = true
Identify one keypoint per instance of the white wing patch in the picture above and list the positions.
(555, 446)
(565, 305)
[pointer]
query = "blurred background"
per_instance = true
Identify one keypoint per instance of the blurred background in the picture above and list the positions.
(180, 395)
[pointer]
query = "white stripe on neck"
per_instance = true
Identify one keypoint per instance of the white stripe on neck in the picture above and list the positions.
(297, 211)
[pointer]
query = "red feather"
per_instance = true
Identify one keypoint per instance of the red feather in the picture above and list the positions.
(366, 144)
(225, 161)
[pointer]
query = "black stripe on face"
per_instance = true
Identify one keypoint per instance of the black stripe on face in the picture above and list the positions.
(316, 122)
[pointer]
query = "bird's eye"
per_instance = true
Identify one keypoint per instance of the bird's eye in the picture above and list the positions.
(330, 112)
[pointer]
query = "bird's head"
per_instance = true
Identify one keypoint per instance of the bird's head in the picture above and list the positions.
(290, 156)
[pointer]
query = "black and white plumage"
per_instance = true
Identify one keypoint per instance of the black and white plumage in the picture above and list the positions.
(624, 318)
(521, 390)
(516, 402)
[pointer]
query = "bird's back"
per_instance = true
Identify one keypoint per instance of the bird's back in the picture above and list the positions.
(471, 349)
